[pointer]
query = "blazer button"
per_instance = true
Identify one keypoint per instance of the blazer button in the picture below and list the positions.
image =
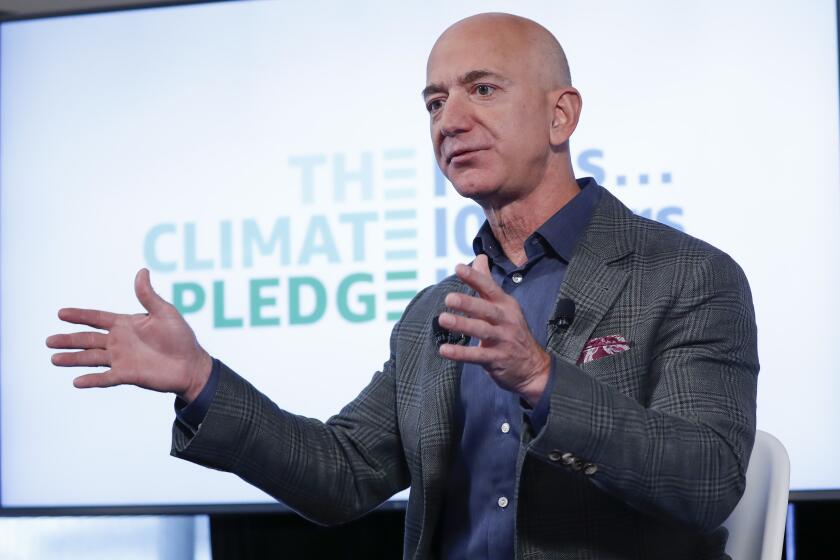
(589, 469)
(555, 456)
(577, 464)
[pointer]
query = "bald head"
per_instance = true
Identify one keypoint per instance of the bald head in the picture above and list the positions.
(527, 41)
(501, 109)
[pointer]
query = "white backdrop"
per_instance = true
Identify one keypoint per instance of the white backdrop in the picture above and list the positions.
(270, 162)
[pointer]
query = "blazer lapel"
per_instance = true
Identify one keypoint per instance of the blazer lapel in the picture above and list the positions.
(592, 281)
(438, 405)
(593, 286)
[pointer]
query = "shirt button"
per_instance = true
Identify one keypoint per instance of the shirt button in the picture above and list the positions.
(503, 502)
(516, 277)
(505, 427)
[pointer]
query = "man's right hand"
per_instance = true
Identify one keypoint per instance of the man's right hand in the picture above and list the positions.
(155, 350)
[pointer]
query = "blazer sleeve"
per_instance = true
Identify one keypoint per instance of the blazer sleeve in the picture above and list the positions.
(683, 454)
(329, 472)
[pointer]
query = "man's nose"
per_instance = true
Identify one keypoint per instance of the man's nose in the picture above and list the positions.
(455, 116)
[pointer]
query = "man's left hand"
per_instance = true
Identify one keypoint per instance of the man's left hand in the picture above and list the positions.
(506, 348)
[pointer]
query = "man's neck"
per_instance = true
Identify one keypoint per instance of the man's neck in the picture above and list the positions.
(514, 222)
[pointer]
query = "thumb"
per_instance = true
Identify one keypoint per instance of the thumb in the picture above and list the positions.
(481, 264)
(146, 295)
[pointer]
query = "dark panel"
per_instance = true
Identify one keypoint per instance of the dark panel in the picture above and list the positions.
(250, 537)
(816, 526)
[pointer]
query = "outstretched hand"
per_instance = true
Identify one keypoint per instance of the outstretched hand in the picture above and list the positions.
(155, 350)
(506, 349)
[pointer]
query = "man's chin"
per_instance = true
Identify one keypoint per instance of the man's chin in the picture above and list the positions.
(473, 185)
(474, 192)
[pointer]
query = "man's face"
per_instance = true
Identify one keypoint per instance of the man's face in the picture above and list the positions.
(489, 115)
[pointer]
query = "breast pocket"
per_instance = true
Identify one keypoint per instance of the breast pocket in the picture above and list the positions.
(625, 371)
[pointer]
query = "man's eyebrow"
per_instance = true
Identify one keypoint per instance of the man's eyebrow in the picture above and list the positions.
(475, 75)
(432, 88)
(469, 77)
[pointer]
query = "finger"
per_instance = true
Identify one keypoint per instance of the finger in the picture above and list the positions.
(475, 307)
(81, 340)
(104, 379)
(146, 295)
(469, 354)
(90, 358)
(482, 264)
(90, 317)
(481, 281)
(476, 328)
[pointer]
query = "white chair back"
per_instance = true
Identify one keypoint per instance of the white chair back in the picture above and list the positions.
(757, 525)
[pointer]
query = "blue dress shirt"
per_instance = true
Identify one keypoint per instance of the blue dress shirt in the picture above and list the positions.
(479, 510)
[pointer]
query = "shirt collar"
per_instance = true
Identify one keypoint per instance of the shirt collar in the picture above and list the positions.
(560, 233)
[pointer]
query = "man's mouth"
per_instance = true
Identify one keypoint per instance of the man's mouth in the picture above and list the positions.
(461, 154)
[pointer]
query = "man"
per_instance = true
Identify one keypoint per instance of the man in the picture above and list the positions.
(604, 406)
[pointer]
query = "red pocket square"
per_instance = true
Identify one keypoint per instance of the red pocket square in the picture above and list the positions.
(602, 347)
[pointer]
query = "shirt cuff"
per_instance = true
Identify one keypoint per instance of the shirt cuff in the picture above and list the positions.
(192, 414)
(538, 415)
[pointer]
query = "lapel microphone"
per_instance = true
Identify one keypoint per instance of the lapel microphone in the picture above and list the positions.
(444, 336)
(564, 314)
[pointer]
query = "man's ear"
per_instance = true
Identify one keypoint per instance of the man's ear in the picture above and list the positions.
(566, 112)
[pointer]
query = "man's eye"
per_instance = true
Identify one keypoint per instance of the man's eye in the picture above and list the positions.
(484, 89)
(434, 105)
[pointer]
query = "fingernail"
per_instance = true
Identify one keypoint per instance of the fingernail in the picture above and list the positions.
(452, 300)
(446, 319)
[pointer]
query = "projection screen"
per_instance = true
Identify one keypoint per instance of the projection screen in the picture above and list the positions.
(270, 163)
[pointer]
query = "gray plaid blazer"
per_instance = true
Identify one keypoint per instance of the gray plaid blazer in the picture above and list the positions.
(668, 424)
